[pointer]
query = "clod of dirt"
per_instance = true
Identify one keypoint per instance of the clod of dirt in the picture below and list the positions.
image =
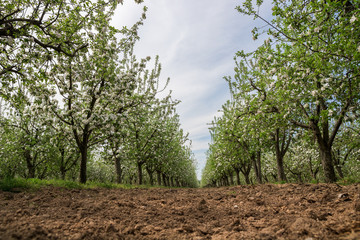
(202, 202)
(344, 197)
(111, 228)
(188, 228)
(301, 226)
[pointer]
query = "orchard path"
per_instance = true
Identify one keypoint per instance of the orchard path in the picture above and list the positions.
(289, 211)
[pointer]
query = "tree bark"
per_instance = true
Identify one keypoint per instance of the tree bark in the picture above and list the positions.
(164, 180)
(118, 170)
(280, 168)
(62, 163)
(63, 172)
(29, 164)
(83, 163)
(256, 160)
(158, 173)
(327, 164)
(237, 174)
(151, 176)
(247, 178)
(167, 181)
(231, 179)
(245, 170)
(139, 173)
(281, 149)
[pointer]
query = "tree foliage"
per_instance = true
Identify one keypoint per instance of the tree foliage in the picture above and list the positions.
(304, 77)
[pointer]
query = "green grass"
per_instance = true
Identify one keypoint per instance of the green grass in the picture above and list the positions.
(348, 180)
(21, 184)
(14, 184)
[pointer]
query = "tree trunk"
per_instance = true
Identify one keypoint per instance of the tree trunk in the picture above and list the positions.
(325, 146)
(83, 164)
(327, 164)
(158, 174)
(167, 181)
(63, 172)
(337, 162)
(245, 170)
(172, 182)
(247, 178)
(226, 181)
(280, 168)
(281, 149)
(164, 180)
(118, 170)
(256, 160)
(29, 164)
(31, 172)
(299, 177)
(139, 173)
(231, 179)
(151, 177)
(62, 164)
(237, 173)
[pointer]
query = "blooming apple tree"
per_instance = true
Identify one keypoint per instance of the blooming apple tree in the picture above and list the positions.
(308, 69)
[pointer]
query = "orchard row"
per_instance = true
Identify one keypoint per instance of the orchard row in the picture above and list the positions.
(294, 108)
(76, 102)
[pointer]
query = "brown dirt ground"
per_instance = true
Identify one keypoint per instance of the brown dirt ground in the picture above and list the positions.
(290, 211)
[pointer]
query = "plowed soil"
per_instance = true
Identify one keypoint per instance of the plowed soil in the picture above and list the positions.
(290, 211)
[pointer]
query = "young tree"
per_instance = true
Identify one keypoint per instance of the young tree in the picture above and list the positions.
(145, 125)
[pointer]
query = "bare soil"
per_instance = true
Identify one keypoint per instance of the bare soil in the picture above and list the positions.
(290, 211)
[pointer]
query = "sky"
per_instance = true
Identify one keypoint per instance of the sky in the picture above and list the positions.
(196, 41)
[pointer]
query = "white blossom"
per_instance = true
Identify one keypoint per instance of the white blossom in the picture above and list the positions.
(323, 88)
(317, 29)
(272, 71)
(353, 19)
